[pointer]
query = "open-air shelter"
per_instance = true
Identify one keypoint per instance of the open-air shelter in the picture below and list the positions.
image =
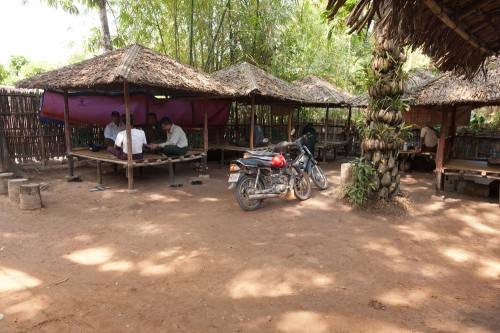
(320, 93)
(253, 86)
(130, 69)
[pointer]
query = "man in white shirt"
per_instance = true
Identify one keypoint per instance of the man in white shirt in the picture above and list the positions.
(176, 144)
(428, 139)
(120, 149)
(112, 129)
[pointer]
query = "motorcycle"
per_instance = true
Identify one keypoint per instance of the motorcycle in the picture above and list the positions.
(260, 175)
(308, 163)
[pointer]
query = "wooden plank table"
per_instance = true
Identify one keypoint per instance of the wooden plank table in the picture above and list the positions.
(473, 166)
(330, 145)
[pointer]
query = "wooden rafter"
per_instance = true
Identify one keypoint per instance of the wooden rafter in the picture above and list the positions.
(441, 11)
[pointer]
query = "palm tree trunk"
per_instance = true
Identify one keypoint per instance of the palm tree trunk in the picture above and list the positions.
(384, 117)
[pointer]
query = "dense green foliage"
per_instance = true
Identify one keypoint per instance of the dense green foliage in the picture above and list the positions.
(362, 172)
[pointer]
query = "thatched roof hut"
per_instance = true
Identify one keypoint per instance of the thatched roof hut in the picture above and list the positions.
(319, 92)
(457, 35)
(416, 79)
(452, 90)
(141, 67)
(250, 81)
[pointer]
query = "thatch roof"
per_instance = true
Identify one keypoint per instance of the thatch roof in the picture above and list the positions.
(452, 90)
(416, 79)
(141, 67)
(457, 35)
(248, 80)
(319, 92)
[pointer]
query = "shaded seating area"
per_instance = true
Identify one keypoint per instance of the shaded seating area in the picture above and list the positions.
(254, 86)
(322, 94)
(125, 71)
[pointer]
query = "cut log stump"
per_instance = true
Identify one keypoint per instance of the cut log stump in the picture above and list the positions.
(4, 182)
(14, 186)
(345, 173)
(29, 196)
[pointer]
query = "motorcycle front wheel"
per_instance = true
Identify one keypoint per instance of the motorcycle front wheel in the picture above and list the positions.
(318, 177)
(302, 186)
(244, 188)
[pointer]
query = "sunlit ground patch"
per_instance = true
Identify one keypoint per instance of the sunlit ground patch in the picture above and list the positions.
(92, 256)
(302, 321)
(14, 280)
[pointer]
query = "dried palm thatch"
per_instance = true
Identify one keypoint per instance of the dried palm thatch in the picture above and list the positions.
(141, 67)
(248, 80)
(320, 92)
(449, 89)
(416, 79)
(457, 35)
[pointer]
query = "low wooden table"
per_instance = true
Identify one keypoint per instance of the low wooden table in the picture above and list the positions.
(330, 145)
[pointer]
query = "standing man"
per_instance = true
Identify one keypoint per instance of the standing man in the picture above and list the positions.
(176, 144)
(138, 141)
(112, 129)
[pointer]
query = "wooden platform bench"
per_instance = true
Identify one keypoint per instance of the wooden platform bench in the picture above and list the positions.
(148, 160)
(330, 145)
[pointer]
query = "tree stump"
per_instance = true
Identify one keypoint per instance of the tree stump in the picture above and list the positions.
(29, 196)
(345, 173)
(4, 182)
(14, 185)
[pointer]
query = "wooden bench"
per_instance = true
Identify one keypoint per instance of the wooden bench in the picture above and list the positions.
(330, 145)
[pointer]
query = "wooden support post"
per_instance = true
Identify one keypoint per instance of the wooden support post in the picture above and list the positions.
(128, 130)
(147, 106)
(452, 129)
(290, 114)
(205, 134)
(252, 123)
(67, 133)
(326, 133)
(347, 135)
(40, 131)
(99, 172)
(440, 151)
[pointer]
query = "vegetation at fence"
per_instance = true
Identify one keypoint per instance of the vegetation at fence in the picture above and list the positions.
(362, 173)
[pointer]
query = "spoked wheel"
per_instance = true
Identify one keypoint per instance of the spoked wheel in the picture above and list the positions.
(318, 177)
(302, 186)
(245, 187)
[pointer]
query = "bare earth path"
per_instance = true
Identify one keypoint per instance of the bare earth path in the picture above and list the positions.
(190, 260)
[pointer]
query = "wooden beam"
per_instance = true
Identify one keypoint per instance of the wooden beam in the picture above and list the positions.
(326, 132)
(252, 123)
(440, 12)
(441, 149)
(128, 130)
(67, 133)
(290, 114)
(205, 134)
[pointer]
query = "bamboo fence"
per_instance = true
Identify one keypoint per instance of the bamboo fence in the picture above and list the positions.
(30, 140)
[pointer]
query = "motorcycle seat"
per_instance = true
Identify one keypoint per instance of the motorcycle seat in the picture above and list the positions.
(259, 153)
(257, 162)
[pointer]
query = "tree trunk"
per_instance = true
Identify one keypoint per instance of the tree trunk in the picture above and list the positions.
(384, 117)
(105, 35)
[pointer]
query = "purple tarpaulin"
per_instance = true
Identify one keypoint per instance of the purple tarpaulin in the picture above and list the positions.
(96, 109)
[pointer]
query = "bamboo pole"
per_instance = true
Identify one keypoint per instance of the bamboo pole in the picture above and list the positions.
(128, 129)
(67, 134)
(440, 10)
(440, 151)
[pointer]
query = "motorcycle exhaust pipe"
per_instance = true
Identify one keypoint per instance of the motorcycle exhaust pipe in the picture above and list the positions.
(262, 196)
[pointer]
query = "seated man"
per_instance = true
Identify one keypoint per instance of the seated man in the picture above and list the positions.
(138, 137)
(176, 144)
(153, 130)
(428, 139)
(112, 129)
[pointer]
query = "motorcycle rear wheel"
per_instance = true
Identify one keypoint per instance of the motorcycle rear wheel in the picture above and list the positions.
(302, 186)
(243, 189)
(318, 177)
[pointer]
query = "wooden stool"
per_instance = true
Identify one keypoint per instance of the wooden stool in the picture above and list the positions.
(4, 182)
(29, 196)
(14, 185)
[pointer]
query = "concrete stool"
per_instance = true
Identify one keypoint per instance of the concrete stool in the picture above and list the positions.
(4, 182)
(29, 196)
(14, 185)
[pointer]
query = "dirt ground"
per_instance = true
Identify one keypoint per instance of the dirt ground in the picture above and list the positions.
(188, 259)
